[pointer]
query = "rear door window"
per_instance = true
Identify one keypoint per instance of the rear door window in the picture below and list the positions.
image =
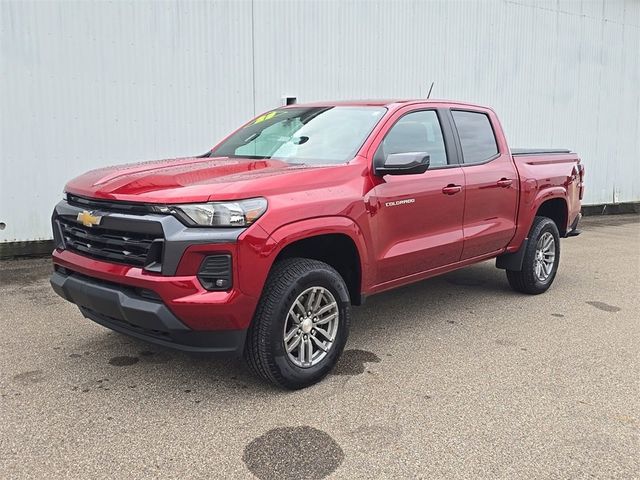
(476, 136)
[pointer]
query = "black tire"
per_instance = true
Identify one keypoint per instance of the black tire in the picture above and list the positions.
(526, 280)
(264, 349)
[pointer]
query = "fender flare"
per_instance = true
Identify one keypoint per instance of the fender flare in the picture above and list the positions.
(554, 193)
(514, 254)
(312, 227)
(550, 193)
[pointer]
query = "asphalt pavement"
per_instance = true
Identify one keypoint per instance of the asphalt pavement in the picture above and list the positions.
(453, 377)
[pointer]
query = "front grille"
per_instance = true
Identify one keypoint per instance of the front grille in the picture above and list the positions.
(131, 248)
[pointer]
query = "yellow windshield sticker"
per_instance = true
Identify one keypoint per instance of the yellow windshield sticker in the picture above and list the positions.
(264, 117)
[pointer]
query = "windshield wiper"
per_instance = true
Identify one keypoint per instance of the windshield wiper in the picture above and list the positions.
(252, 157)
(252, 137)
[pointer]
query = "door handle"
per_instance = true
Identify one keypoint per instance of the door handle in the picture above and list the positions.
(451, 189)
(504, 182)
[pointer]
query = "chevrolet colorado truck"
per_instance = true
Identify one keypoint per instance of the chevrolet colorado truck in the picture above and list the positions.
(261, 246)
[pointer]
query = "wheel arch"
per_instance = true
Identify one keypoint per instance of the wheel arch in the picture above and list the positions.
(556, 209)
(336, 241)
(551, 204)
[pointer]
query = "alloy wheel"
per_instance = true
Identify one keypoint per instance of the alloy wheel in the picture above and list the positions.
(311, 327)
(545, 257)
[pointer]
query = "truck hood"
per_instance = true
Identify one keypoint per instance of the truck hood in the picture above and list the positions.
(192, 179)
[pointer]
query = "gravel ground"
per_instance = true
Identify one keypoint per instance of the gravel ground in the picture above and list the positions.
(453, 377)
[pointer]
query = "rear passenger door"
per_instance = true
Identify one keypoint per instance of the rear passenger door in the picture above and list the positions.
(491, 183)
(417, 219)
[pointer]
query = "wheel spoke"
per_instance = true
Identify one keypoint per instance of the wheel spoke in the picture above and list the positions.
(300, 308)
(327, 319)
(326, 308)
(309, 350)
(291, 334)
(316, 305)
(301, 351)
(310, 299)
(294, 344)
(319, 344)
(323, 332)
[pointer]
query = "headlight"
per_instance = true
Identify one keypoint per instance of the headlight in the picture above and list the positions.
(240, 213)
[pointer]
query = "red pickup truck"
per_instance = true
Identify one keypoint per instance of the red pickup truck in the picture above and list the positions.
(261, 246)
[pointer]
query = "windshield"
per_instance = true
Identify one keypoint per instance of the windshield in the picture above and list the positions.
(308, 135)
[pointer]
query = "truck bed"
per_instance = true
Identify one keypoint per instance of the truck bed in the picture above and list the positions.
(544, 171)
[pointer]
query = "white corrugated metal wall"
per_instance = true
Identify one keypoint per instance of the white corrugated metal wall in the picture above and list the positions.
(87, 84)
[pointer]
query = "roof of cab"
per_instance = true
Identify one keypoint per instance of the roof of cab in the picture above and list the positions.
(353, 103)
(379, 103)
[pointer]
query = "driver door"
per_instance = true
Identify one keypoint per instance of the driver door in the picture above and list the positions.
(417, 218)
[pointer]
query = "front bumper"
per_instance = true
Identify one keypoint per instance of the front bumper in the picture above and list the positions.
(93, 271)
(136, 312)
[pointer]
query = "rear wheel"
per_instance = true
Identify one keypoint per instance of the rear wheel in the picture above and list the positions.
(301, 324)
(541, 259)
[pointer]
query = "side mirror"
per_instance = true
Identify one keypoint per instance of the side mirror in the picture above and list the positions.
(404, 164)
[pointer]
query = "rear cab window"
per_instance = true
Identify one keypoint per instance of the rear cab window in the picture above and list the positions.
(477, 138)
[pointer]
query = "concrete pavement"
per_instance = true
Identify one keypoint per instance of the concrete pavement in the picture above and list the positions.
(453, 377)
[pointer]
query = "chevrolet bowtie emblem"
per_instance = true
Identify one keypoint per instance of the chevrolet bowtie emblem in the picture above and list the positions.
(88, 220)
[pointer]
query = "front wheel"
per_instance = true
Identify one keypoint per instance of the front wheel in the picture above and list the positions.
(301, 324)
(541, 259)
